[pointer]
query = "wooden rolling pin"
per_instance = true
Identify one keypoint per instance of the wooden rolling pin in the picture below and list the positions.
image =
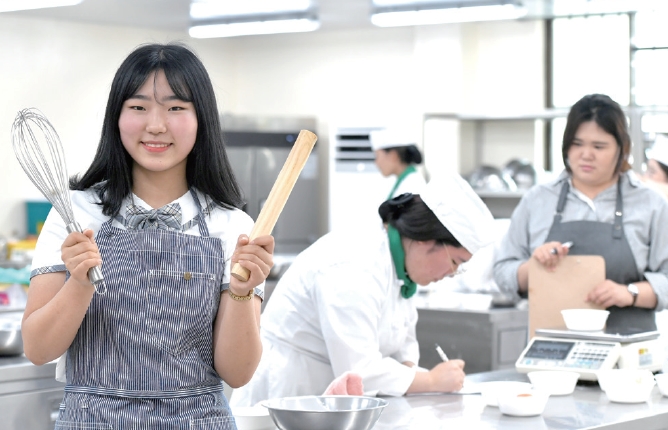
(279, 192)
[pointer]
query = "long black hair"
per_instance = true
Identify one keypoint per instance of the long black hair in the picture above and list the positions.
(414, 220)
(207, 168)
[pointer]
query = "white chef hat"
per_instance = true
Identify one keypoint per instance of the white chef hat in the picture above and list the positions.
(659, 150)
(460, 210)
(391, 138)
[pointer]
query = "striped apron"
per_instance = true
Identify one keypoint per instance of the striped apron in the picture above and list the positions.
(143, 356)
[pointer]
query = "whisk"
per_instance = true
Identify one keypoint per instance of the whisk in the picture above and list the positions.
(38, 149)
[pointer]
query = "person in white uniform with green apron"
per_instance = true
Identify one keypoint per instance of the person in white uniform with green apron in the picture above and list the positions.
(159, 203)
(601, 206)
(656, 175)
(396, 153)
(347, 301)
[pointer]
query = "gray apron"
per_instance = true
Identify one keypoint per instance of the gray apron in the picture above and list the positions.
(608, 241)
(143, 356)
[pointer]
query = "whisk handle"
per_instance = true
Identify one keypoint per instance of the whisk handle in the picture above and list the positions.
(94, 273)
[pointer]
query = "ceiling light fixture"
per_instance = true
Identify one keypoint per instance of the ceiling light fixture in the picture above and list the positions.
(208, 9)
(247, 28)
(601, 7)
(432, 13)
(14, 5)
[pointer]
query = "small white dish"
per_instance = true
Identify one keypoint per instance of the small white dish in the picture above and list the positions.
(626, 385)
(528, 403)
(554, 382)
(585, 319)
(662, 381)
(253, 418)
(490, 391)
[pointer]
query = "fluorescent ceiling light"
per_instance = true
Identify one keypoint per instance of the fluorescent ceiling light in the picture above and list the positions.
(448, 15)
(410, 2)
(207, 9)
(13, 5)
(297, 25)
(598, 7)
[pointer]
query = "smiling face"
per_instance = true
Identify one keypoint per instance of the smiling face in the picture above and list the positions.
(428, 261)
(592, 158)
(157, 129)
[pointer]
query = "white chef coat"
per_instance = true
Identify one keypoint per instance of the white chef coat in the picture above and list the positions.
(413, 183)
(337, 308)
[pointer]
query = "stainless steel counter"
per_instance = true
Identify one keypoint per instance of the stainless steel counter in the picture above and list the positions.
(29, 394)
(587, 408)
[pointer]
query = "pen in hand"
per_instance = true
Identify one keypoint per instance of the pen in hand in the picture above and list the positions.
(441, 353)
(568, 245)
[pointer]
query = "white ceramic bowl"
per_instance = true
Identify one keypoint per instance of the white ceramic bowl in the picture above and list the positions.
(554, 382)
(662, 381)
(626, 385)
(490, 391)
(526, 403)
(585, 319)
(253, 418)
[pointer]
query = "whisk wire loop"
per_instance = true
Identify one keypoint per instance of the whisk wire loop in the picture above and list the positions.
(40, 153)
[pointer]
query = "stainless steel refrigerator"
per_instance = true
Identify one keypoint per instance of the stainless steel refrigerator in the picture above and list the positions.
(257, 158)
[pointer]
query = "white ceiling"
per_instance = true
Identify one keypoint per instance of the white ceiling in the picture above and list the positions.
(173, 15)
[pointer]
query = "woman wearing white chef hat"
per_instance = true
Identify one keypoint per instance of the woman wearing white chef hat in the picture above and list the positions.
(397, 154)
(657, 164)
(346, 303)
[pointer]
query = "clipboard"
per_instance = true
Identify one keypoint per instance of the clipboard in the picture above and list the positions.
(564, 288)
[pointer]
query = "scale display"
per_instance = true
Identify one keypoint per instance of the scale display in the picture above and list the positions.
(583, 356)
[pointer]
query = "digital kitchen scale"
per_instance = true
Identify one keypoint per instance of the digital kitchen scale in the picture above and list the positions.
(590, 352)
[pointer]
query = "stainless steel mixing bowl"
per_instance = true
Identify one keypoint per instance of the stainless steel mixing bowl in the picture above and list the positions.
(325, 412)
(11, 342)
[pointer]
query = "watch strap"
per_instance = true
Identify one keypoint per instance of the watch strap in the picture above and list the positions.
(633, 289)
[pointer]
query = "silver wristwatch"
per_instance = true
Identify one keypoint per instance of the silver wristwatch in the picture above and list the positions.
(633, 289)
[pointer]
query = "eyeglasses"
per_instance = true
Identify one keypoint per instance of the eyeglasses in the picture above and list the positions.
(458, 270)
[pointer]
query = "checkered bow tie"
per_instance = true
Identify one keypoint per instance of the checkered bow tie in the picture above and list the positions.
(167, 217)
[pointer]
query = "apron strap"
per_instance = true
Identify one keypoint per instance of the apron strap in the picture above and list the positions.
(199, 219)
(617, 231)
(561, 204)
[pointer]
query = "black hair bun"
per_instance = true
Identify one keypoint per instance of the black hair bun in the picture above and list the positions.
(393, 208)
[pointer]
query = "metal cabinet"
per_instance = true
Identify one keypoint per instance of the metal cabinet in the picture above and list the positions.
(257, 167)
(29, 395)
(486, 340)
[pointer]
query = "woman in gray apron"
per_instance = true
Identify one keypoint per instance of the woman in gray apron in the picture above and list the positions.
(600, 206)
(159, 203)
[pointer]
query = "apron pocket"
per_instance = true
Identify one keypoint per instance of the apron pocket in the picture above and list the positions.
(179, 308)
(71, 425)
(216, 423)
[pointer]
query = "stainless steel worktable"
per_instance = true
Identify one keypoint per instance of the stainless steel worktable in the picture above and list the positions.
(29, 394)
(587, 408)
